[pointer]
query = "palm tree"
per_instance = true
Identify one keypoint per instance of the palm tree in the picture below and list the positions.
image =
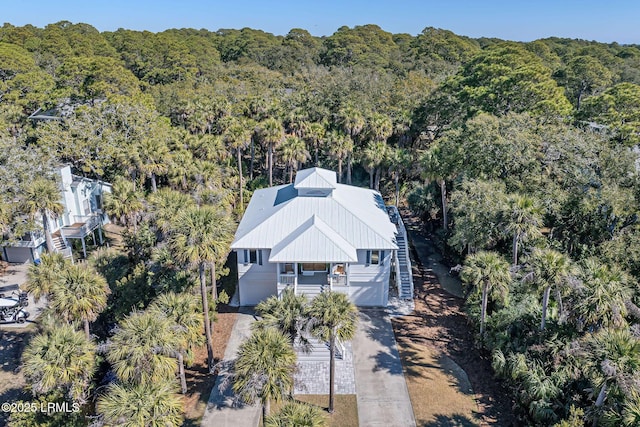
(379, 129)
(140, 350)
(340, 148)
(288, 314)
(489, 273)
(42, 278)
(437, 166)
(145, 405)
(525, 220)
(605, 296)
(60, 358)
(124, 202)
(315, 135)
(272, 134)
(352, 122)
(294, 151)
(80, 294)
(297, 414)
(332, 317)
(264, 368)
(399, 160)
(550, 269)
(184, 312)
(373, 155)
(612, 358)
(237, 136)
(42, 197)
(199, 236)
(165, 204)
(153, 153)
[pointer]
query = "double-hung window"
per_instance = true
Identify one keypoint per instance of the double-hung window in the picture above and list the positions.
(375, 257)
(253, 256)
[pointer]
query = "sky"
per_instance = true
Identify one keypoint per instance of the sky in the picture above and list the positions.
(521, 20)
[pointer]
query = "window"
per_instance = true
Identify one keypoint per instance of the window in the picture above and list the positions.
(253, 256)
(286, 268)
(375, 257)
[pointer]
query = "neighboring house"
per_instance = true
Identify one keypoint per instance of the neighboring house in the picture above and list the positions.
(314, 235)
(82, 216)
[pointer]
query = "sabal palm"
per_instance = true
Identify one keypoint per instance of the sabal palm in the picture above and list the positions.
(315, 135)
(42, 196)
(288, 314)
(272, 134)
(524, 221)
(42, 278)
(340, 148)
(184, 311)
(294, 151)
(399, 160)
(237, 137)
(140, 405)
(264, 368)
(124, 202)
(140, 349)
(80, 294)
(373, 155)
(60, 357)
(489, 273)
(153, 152)
(603, 300)
(550, 270)
(165, 205)
(201, 235)
(332, 317)
(612, 359)
(297, 414)
(352, 122)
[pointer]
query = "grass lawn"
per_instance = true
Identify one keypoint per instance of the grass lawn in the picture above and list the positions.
(439, 389)
(345, 413)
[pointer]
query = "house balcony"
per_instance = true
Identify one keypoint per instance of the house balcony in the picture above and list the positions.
(82, 226)
(30, 240)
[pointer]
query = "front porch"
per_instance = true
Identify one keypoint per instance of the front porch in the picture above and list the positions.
(313, 278)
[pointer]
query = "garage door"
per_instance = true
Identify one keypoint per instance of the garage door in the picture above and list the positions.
(366, 294)
(20, 255)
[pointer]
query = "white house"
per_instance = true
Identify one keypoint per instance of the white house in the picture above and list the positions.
(82, 216)
(313, 235)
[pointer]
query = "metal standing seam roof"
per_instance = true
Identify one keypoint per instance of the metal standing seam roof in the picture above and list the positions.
(303, 243)
(315, 178)
(347, 217)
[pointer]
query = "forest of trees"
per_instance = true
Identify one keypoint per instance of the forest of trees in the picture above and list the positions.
(519, 157)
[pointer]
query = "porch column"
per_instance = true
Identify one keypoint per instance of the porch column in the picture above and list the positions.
(100, 236)
(84, 248)
(295, 278)
(346, 272)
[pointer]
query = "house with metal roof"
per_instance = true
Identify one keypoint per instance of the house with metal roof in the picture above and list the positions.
(314, 235)
(82, 217)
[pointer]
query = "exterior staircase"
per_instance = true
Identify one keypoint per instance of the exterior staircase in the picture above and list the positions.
(310, 291)
(404, 279)
(318, 351)
(60, 246)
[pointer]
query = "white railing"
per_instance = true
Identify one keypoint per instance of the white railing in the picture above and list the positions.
(89, 223)
(287, 280)
(396, 265)
(338, 280)
(37, 238)
(403, 232)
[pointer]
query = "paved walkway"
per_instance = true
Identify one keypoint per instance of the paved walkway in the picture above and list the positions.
(312, 377)
(220, 410)
(383, 398)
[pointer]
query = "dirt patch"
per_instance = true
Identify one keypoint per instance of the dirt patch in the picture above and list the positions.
(439, 327)
(199, 381)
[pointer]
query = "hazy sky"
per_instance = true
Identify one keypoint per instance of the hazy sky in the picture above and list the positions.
(525, 20)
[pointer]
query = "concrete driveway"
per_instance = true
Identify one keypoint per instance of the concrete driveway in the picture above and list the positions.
(11, 282)
(383, 397)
